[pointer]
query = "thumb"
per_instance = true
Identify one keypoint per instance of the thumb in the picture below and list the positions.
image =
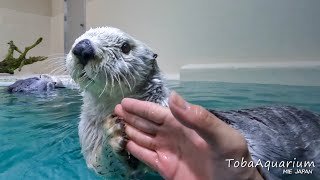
(208, 126)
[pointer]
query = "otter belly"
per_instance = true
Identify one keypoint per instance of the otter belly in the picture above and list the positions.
(278, 134)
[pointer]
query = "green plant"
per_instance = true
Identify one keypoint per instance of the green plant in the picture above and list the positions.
(10, 63)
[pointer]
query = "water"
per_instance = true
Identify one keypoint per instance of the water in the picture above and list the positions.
(38, 133)
(226, 96)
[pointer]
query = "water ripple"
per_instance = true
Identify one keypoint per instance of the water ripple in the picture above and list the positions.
(39, 136)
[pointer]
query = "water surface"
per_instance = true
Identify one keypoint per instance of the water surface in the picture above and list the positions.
(39, 138)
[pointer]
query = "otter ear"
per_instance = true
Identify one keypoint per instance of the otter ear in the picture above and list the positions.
(155, 56)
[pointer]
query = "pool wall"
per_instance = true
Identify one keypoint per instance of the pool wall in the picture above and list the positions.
(299, 73)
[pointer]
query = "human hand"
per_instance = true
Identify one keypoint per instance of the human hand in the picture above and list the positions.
(185, 141)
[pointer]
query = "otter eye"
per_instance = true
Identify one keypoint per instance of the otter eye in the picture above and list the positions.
(125, 48)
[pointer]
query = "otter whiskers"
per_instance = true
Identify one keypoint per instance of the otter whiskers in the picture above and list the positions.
(58, 63)
(129, 86)
(118, 79)
(92, 80)
(126, 68)
(106, 83)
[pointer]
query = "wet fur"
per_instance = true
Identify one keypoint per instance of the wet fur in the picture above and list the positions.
(105, 81)
(279, 133)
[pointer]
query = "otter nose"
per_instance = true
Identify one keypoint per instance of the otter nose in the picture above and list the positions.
(84, 51)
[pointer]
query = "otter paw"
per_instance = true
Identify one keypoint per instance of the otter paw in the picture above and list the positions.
(115, 131)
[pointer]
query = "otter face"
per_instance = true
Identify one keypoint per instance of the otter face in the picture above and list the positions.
(106, 59)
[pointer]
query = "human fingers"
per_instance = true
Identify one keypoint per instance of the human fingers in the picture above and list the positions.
(141, 138)
(208, 126)
(142, 124)
(147, 110)
(148, 156)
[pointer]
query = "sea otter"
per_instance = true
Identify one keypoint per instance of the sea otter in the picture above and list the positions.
(109, 65)
(43, 83)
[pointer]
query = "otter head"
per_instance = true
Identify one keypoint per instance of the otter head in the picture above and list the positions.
(106, 60)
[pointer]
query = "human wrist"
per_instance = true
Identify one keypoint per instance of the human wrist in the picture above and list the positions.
(257, 174)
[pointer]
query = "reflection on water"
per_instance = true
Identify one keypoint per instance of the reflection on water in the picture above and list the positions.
(39, 138)
(234, 96)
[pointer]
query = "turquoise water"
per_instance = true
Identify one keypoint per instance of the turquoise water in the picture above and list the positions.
(38, 133)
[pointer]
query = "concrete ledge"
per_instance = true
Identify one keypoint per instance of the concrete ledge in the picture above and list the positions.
(172, 76)
(5, 74)
(293, 73)
(6, 79)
